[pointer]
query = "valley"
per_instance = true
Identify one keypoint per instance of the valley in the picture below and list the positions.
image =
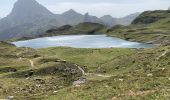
(73, 56)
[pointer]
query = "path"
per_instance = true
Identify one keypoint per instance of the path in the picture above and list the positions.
(32, 63)
(99, 75)
(81, 69)
(92, 74)
(163, 54)
(83, 72)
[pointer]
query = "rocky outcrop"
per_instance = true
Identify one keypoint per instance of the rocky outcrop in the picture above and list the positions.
(150, 17)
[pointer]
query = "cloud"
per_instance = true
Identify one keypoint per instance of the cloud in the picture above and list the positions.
(116, 9)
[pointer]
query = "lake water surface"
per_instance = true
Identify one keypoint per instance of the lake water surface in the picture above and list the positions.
(81, 41)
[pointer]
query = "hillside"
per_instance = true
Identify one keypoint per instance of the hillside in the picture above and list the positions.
(107, 73)
(82, 28)
(28, 18)
(25, 74)
(127, 20)
(150, 26)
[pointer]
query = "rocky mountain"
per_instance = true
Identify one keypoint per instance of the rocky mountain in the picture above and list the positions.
(30, 19)
(92, 19)
(110, 21)
(28, 11)
(75, 17)
(127, 20)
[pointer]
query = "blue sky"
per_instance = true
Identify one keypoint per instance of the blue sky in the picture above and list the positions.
(116, 8)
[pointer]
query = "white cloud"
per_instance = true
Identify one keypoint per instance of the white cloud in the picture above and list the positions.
(114, 9)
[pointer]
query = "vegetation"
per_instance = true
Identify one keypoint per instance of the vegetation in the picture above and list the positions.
(110, 73)
(27, 75)
(82, 28)
(62, 73)
(150, 27)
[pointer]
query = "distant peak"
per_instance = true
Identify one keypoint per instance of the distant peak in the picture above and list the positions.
(26, 1)
(169, 8)
(70, 12)
(87, 14)
(107, 16)
(28, 9)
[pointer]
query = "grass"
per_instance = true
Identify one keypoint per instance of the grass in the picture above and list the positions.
(97, 59)
(151, 27)
(113, 73)
(130, 70)
(82, 28)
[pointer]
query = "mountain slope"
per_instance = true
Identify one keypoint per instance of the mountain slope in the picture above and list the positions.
(28, 11)
(72, 17)
(110, 21)
(139, 74)
(82, 28)
(150, 26)
(28, 18)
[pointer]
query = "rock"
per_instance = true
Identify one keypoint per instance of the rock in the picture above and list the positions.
(150, 75)
(38, 85)
(162, 69)
(55, 91)
(30, 73)
(64, 61)
(169, 79)
(10, 97)
(39, 80)
(79, 82)
(120, 79)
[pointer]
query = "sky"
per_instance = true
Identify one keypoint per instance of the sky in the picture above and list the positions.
(116, 8)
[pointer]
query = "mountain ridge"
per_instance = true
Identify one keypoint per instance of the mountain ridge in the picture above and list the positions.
(150, 27)
(29, 18)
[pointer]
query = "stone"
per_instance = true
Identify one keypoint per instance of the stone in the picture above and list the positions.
(150, 75)
(10, 97)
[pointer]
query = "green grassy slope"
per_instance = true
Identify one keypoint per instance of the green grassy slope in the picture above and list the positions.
(82, 28)
(27, 75)
(110, 73)
(151, 27)
(134, 74)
